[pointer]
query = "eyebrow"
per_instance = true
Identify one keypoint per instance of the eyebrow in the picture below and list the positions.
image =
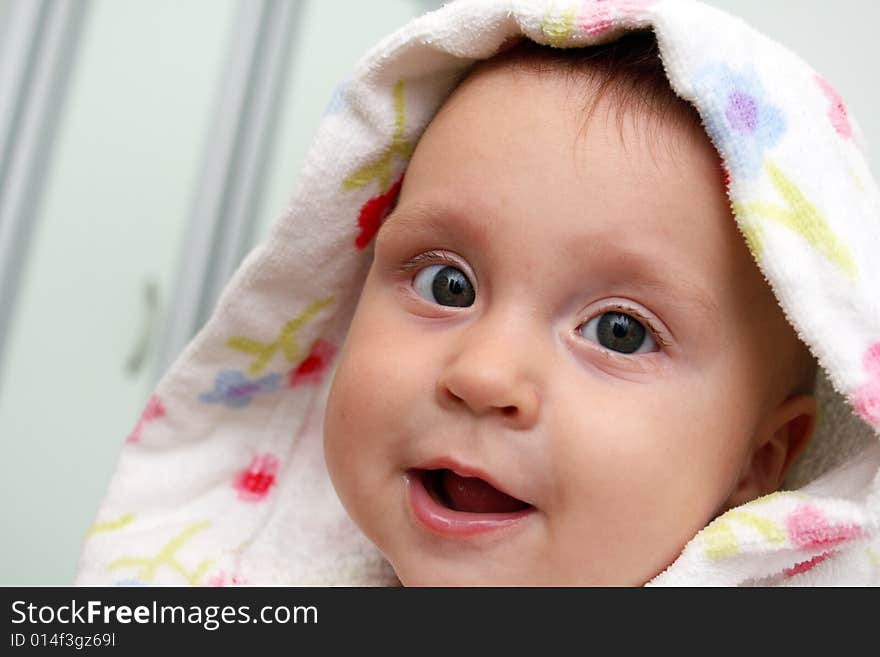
(643, 271)
(421, 218)
(637, 269)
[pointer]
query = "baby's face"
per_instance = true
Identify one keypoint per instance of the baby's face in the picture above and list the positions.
(570, 316)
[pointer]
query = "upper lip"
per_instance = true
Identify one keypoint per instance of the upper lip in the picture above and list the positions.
(448, 463)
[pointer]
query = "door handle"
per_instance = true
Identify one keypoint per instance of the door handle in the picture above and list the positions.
(150, 294)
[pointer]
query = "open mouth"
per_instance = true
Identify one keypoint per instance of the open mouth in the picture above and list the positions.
(468, 494)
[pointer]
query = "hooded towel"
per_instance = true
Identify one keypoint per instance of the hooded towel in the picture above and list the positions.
(222, 479)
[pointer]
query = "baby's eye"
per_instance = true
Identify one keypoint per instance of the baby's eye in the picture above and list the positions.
(445, 285)
(618, 331)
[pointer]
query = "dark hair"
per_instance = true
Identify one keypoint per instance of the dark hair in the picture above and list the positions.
(629, 68)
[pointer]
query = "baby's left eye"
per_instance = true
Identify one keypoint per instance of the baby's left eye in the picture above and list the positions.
(619, 332)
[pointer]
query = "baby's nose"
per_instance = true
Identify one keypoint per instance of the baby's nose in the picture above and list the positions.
(492, 376)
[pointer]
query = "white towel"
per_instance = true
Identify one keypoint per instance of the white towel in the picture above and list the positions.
(222, 480)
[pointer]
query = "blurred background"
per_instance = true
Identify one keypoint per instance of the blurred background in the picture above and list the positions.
(145, 147)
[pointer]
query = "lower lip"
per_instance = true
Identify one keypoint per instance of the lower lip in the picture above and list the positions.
(442, 520)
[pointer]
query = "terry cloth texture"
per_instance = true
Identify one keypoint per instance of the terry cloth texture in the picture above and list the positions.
(222, 479)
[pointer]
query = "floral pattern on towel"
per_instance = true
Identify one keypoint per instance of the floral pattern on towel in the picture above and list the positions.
(167, 556)
(373, 213)
(866, 400)
(376, 208)
(311, 370)
(558, 25)
(797, 214)
(592, 19)
(254, 482)
(235, 390)
(746, 123)
(221, 578)
(380, 170)
(337, 99)
(837, 110)
(152, 411)
(808, 529)
(285, 342)
(779, 521)
(598, 16)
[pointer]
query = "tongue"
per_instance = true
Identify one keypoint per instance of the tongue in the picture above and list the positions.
(474, 495)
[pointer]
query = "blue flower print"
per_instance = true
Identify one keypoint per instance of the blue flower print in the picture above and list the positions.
(336, 100)
(128, 582)
(741, 121)
(234, 389)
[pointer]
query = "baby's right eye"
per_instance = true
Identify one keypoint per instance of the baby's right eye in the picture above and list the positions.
(444, 285)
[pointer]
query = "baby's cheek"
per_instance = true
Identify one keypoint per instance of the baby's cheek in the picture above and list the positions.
(359, 404)
(350, 388)
(337, 433)
(359, 449)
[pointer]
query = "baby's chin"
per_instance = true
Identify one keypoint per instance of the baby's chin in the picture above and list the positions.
(416, 569)
(436, 578)
(415, 573)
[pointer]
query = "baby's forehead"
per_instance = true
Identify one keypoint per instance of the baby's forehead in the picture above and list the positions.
(665, 132)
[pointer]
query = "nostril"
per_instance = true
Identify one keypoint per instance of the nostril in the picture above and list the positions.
(509, 410)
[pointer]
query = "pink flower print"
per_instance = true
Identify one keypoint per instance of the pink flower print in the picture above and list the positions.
(152, 411)
(220, 580)
(215, 580)
(596, 16)
(311, 369)
(866, 400)
(837, 110)
(373, 212)
(808, 529)
(254, 483)
(804, 566)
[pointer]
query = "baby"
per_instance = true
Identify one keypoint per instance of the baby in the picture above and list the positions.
(568, 347)
(564, 361)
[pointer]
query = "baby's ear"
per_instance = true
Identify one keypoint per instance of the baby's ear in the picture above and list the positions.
(782, 438)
